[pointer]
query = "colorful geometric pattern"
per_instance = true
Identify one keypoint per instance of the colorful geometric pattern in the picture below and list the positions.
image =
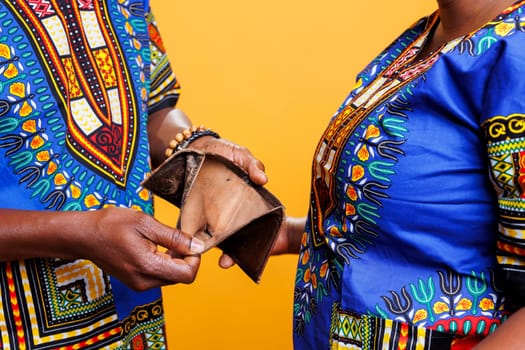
(506, 149)
(87, 70)
(454, 304)
(352, 331)
(73, 136)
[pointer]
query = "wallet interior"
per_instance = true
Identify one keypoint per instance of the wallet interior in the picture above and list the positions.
(221, 206)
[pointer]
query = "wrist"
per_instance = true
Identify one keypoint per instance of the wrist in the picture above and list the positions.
(296, 228)
(67, 233)
(27, 234)
(183, 139)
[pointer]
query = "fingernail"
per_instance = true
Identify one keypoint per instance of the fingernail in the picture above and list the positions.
(196, 246)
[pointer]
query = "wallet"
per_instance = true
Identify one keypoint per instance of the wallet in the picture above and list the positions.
(221, 206)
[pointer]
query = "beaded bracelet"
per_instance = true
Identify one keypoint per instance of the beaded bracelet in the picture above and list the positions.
(187, 136)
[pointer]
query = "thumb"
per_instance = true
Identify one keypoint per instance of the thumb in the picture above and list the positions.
(179, 242)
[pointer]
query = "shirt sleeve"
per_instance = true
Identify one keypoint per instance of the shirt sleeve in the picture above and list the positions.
(504, 128)
(164, 87)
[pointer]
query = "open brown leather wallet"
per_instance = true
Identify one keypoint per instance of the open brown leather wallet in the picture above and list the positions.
(221, 206)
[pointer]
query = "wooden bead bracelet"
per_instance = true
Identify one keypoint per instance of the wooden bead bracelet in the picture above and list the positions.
(187, 136)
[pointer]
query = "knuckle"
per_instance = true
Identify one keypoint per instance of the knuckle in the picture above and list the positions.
(189, 276)
(139, 218)
(138, 284)
(242, 149)
(177, 238)
(188, 273)
(141, 286)
(258, 164)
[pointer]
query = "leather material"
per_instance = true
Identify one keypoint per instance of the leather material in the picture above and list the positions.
(221, 206)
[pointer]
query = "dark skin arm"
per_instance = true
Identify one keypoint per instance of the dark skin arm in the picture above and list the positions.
(289, 237)
(123, 242)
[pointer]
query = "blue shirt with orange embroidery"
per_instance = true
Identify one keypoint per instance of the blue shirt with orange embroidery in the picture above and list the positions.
(415, 230)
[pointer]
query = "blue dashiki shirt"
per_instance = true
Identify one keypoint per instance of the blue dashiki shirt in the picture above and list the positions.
(416, 228)
(77, 82)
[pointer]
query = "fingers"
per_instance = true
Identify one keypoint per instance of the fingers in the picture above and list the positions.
(162, 270)
(181, 261)
(254, 167)
(240, 155)
(256, 172)
(173, 239)
(225, 261)
(178, 242)
(130, 250)
(196, 246)
(179, 270)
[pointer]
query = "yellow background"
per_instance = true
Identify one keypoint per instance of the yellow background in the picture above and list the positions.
(268, 75)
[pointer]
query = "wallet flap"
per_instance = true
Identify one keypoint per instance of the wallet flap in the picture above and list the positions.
(175, 176)
(250, 247)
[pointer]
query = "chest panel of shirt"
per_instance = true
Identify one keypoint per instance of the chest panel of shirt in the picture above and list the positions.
(380, 96)
(93, 85)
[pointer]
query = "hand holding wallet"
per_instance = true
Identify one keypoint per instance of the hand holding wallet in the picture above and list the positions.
(221, 206)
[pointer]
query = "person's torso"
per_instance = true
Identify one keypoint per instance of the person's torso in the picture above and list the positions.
(74, 85)
(401, 235)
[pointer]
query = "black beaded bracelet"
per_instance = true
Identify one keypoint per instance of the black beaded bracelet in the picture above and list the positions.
(184, 138)
(194, 136)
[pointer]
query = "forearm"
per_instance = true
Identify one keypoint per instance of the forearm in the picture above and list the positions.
(121, 241)
(509, 336)
(295, 234)
(290, 235)
(163, 125)
(30, 234)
